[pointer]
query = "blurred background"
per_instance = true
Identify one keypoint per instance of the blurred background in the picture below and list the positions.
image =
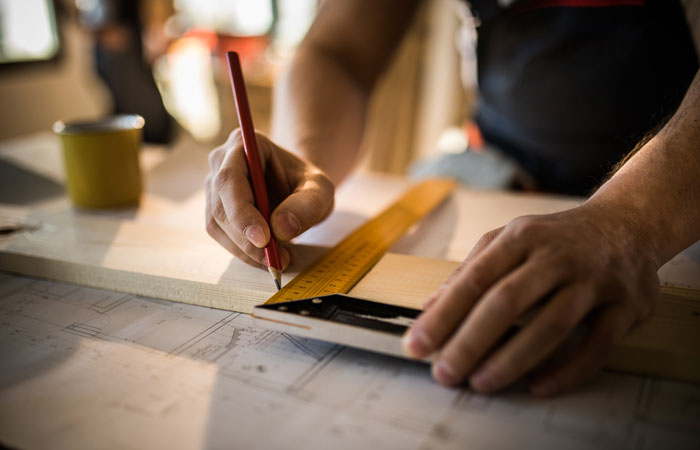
(163, 59)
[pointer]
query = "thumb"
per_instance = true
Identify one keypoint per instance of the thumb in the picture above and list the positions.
(305, 207)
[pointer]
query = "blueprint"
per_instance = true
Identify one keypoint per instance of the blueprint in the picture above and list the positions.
(87, 368)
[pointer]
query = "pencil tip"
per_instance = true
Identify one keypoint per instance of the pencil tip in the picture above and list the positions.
(276, 276)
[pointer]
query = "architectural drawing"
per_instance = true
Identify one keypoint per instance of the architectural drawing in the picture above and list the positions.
(83, 367)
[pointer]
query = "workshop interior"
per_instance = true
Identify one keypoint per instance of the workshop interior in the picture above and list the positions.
(142, 307)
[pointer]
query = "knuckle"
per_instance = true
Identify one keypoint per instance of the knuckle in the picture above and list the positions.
(222, 179)
(235, 138)
(261, 138)
(484, 240)
(317, 203)
(475, 280)
(525, 227)
(211, 226)
(487, 237)
(214, 157)
(218, 212)
(325, 183)
(454, 276)
(507, 299)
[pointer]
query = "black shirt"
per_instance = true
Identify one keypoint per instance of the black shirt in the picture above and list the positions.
(567, 87)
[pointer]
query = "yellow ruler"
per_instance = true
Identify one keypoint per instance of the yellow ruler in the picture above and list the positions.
(337, 271)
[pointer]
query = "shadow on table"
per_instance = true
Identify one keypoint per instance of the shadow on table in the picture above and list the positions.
(19, 186)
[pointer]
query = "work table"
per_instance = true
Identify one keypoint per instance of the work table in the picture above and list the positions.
(101, 369)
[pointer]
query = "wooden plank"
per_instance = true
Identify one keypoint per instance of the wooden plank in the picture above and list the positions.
(137, 258)
(667, 344)
(188, 266)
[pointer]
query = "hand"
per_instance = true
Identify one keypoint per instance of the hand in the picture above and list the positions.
(300, 194)
(582, 263)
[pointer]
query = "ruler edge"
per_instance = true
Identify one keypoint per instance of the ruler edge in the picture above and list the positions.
(450, 185)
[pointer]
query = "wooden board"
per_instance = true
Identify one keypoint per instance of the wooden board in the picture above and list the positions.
(187, 266)
(667, 344)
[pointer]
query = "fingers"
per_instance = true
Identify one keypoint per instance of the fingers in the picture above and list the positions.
(610, 327)
(232, 219)
(491, 318)
(310, 203)
(235, 196)
(255, 258)
(435, 325)
(535, 341)
(562, 260)
(483, 242)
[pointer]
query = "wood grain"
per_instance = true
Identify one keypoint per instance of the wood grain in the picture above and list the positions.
(187, 266)
(667, 344)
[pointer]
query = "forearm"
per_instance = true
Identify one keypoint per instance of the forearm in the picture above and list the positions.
(319, 112)
(657, 192)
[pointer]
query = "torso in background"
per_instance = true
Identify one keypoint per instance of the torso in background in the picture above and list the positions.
(568, 87)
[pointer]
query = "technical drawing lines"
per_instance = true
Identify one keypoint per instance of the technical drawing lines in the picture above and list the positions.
(300, 344)
(204, 334)
(109, 303)
(82, 329)
(298, 385)
(152, 368)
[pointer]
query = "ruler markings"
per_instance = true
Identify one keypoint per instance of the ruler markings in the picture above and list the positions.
(339, 269)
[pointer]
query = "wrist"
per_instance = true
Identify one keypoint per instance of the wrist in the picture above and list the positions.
(625, 225)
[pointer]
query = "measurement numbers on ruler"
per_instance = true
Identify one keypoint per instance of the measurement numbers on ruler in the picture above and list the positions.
(338, 270)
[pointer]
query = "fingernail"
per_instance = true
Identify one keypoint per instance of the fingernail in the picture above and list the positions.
(255, 235)
(286, 226)
(444, 373)
(416, 343)
(544, 388)
(482, 381)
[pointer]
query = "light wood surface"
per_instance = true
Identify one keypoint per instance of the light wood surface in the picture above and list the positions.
(667, 344)
(160, 249)
(185, 266)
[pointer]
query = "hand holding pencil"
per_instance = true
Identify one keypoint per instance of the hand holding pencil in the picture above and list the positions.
(252, 204)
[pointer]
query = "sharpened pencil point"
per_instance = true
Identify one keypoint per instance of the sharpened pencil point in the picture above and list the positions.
(276, 276)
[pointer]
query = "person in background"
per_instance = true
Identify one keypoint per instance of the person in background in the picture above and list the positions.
(566, 89)
(120, 62)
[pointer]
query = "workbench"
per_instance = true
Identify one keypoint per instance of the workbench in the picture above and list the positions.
(95, 368)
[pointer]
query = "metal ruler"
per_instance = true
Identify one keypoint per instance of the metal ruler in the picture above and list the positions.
(339, 269)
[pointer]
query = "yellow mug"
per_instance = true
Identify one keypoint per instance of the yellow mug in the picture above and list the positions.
(101, 159)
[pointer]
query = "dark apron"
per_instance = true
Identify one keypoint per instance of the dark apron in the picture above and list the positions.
(567, 89)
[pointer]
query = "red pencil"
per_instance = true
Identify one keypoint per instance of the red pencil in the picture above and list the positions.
(257, 180)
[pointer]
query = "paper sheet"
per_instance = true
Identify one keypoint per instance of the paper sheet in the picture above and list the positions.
(86, 368)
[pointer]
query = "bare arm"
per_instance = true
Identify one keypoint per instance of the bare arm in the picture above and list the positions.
(596, 261)
(320, 109)
(659, 187)
(321, 100)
